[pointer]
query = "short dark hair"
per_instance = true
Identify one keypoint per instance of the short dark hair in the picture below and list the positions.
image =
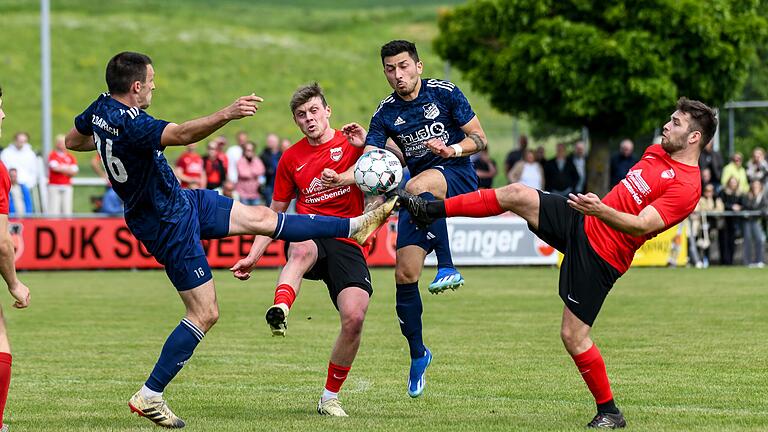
(395, 47)
(703, 118)
(303, 94)
(124, 69)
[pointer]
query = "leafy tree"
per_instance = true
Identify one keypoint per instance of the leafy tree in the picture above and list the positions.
(615, 66)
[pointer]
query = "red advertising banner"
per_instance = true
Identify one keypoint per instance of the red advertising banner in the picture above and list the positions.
(106, 243)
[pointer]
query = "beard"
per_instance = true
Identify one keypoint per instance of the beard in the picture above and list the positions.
(672, 145)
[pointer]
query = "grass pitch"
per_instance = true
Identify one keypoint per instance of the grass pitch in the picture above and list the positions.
(685, 350)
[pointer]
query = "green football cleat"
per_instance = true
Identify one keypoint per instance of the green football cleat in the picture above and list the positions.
(156, 410)
(331, 407)
(370, 221)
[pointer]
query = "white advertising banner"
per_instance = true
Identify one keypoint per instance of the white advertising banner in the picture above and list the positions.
(500, 240)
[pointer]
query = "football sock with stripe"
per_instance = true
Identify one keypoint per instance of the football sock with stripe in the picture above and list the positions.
(592, 369)
(409, 309)
(296, 227)
(176, 353)
(335, 379)
(440, 243)
(285, 294)
(477, 204)
(5, 380)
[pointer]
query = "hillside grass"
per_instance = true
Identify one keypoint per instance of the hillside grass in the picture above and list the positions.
(207, 53)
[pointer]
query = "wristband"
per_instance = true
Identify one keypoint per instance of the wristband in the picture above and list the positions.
(457, 148)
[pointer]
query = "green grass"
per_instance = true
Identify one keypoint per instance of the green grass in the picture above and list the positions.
(685, 350)
(207, 53)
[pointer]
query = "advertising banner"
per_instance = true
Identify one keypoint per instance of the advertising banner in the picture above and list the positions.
(503, 240)
(106, 243)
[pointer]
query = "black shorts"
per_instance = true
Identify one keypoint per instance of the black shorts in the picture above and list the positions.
(340, 265)
(585, 277)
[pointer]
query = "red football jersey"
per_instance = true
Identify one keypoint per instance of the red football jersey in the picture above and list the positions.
(5, 189)
(299, 172)
(671, 187)
(191, 165)
(57, 160)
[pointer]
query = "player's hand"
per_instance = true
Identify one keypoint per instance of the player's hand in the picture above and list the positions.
(331, 179)
(438, 147)
(243, 268)
(588, 204)
(354, 133)
(244, 106)
(20, 292)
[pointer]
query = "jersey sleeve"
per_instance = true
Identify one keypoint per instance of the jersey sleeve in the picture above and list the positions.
(284, 187)
(676, 203)
(83, 121)
(377, 134)
(461, 110)
(146, 131)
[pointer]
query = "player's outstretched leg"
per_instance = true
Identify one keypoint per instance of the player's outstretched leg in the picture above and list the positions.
(481, 203)
(300, 227)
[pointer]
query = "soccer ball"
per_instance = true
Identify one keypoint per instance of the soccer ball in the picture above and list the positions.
(377, 172)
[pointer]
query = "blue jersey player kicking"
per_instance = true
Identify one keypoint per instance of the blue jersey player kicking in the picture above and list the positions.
(170, 221)
(435, 128)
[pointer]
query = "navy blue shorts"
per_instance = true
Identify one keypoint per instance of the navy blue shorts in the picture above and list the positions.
(178, 246)
(460, 180)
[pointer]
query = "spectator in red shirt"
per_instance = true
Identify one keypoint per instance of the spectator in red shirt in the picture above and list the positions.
(189, 169)
(62, 166)
(215, 167)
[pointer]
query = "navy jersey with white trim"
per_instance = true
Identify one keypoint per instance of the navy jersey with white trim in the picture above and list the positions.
(439, 111)
(128, 141)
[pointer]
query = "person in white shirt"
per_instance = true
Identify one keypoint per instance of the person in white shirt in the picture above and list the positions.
(20, 155)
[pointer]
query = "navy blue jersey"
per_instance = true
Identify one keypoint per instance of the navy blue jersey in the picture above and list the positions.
(128, 141)
(440, 110)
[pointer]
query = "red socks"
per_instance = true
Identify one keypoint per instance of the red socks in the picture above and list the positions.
(285, 294)
(336, 376)
(592, 368)
(5, 381)
(474, 204)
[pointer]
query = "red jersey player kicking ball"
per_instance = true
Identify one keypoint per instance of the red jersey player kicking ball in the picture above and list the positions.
(599, 237)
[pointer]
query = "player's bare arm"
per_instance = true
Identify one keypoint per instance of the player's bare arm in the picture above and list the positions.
(18, 290)
(243, 268)
(78, 142)
(647, 221)
(474, 141)
(195, 130)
